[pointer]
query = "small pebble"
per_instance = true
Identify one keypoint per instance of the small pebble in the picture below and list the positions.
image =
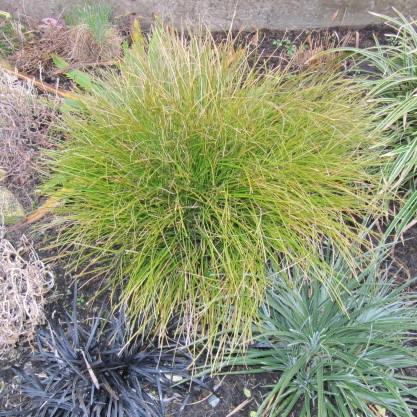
(10, 208)
(247, 392)
(214, 400)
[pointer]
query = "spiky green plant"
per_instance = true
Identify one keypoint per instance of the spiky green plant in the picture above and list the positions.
(186, 170)
(391, 78)
(331, 363)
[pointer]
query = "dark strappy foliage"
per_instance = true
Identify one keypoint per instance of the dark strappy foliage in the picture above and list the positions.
(92, 370)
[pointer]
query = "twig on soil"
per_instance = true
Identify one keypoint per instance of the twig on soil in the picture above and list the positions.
(91, 372)
(240, 407)
(46, 88)
(38, 214)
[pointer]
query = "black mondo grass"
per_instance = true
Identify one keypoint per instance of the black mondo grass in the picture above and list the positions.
(331, 363)
(92, 370)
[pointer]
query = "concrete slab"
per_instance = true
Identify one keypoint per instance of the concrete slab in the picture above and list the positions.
(245, 14)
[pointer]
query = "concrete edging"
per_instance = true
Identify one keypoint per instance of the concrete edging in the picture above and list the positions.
(245, 14)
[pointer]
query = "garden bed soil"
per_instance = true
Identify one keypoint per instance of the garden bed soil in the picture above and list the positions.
(269, 42)
(239, 395)
(405, 253)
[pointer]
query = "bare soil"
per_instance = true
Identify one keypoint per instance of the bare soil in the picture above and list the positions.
(405, 252)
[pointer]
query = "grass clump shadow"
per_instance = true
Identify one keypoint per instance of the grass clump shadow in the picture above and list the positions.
(187, 170)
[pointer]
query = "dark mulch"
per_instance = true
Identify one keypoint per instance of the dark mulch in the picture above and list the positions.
(277, 47)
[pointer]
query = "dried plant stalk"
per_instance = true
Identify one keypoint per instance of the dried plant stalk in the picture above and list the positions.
(312, 51)
(25, 120)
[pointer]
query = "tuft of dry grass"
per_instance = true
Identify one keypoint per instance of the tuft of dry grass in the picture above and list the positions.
(313, 50)
(24, 282)
(75, 44)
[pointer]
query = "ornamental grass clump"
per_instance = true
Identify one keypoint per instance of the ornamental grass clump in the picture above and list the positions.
(390, 75)
(333, 363)
(94, 15)
(187, 170)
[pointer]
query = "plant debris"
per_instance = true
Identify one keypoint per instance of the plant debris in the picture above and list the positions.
(25, 120)
(24, 282)
(77, 45)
